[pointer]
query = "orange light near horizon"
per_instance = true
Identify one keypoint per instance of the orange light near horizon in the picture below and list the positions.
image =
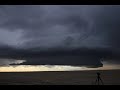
(32, 68)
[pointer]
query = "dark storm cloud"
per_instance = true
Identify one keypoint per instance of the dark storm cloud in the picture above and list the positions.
(18, 17)
(45, 23)
(57, 34)
(108, 25)
(76, 57)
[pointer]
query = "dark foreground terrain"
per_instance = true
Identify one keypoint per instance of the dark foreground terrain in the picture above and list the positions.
(109, 77)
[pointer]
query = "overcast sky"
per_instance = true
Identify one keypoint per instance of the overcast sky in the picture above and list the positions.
(59, 34)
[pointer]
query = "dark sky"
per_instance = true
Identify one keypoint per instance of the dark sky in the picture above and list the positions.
(60, 35)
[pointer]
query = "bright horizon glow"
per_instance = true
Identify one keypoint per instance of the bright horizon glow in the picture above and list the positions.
(32, 68)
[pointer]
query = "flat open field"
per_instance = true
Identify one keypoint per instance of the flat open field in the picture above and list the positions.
(109, 77)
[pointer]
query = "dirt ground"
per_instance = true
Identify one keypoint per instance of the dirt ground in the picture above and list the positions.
(109, 77)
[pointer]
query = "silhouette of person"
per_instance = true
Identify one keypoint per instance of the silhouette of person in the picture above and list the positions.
(98, 79)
